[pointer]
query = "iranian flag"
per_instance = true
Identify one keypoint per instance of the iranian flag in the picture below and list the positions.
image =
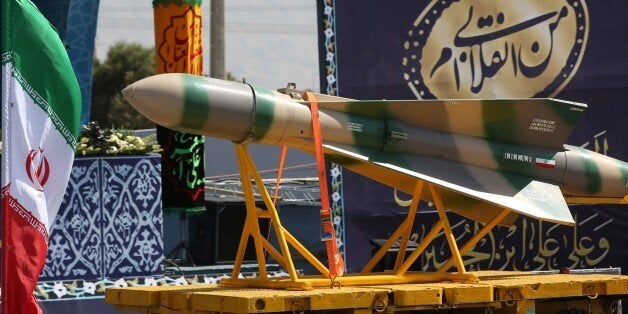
(545, 162)
(40, 121)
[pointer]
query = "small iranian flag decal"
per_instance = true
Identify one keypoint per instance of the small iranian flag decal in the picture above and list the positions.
(545, 162)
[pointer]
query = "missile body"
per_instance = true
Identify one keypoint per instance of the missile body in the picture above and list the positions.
(449, 134)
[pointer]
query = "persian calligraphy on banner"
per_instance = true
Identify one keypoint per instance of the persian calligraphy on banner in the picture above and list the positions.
(529, 244)
(484, 49)
(595, 241)
(178, 37)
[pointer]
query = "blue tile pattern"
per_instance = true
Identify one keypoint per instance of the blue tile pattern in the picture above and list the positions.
(110, 222)
(79, 36)
(132, 220)
(74, 247)
(329, 86)
(51, 291)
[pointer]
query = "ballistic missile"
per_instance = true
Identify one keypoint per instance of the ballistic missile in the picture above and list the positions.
(482, 155)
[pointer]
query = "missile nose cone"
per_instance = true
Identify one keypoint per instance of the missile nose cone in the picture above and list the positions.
(194, 104)
(158, 98)
(127, 92)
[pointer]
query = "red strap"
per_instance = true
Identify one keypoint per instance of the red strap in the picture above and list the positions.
(282, 160)
(336, 264)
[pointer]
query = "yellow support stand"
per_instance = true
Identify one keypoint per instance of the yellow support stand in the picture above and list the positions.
(249, 175)
(476, 238)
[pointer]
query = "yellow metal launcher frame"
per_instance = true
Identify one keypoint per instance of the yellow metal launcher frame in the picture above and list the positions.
(295, 281)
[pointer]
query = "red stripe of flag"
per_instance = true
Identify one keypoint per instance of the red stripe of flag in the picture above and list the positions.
(547, 166)
(24, 251)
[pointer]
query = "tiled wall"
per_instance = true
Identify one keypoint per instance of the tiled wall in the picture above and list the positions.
(110, 222)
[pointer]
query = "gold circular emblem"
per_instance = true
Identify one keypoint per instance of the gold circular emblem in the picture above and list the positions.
(487, 49)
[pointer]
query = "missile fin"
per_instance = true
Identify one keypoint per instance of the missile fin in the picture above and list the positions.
(538, 122)
(460, 183)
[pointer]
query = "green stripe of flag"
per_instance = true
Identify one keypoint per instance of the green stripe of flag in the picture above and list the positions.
(41, 65)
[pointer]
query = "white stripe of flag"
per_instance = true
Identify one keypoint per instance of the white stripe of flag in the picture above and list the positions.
(545, 162)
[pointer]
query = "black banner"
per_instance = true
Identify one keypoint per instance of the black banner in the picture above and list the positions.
(182, 170)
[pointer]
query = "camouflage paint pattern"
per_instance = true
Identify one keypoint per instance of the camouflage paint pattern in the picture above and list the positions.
(484, 155)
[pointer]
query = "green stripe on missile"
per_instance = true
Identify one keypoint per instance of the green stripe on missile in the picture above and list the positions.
(591, 171)
(499, 123)
(367, 131)
(594, 177)
(370, 108)
(264, 111)
(195, 103)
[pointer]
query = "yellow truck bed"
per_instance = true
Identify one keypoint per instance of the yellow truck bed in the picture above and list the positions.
(497, 292)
